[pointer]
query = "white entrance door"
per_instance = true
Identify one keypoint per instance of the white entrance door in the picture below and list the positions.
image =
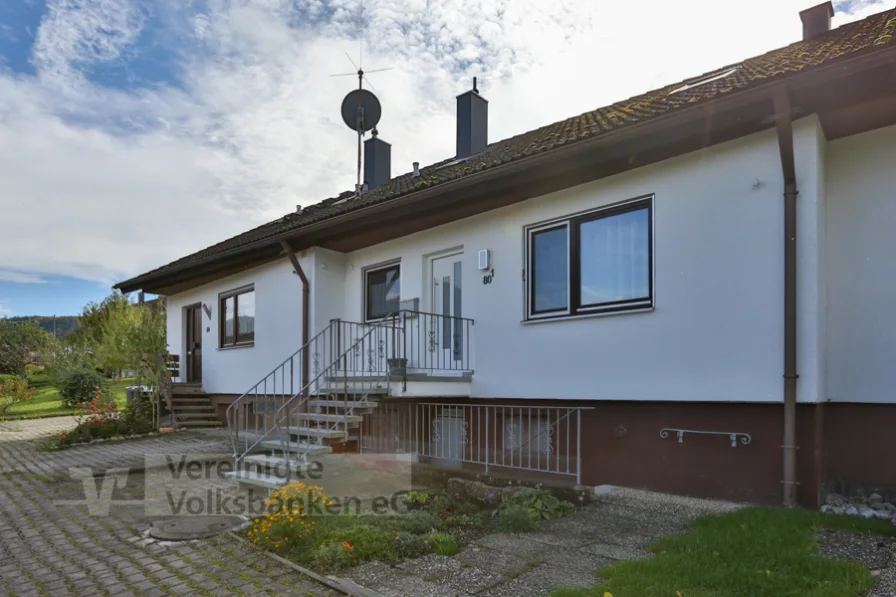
(447, 331)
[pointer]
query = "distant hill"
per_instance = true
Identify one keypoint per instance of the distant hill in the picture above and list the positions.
(65, 324)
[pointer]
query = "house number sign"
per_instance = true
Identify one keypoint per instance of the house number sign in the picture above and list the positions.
(487, 278)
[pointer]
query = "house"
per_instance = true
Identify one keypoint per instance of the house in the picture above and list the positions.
(687, 291)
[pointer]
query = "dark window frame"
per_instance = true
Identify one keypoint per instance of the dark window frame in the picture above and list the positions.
(222, 318)
(368, 316)
(573, 224)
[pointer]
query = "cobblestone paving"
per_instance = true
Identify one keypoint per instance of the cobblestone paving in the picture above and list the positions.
(51, 550)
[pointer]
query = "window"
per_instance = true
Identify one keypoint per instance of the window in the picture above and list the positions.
(237, 325)
(382, 291)
(597, 262)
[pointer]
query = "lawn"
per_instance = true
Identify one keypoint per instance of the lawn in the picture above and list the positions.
(754, 552)
(48, 403)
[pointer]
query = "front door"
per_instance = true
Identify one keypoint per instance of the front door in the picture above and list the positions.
(447, 306)
(193, 323)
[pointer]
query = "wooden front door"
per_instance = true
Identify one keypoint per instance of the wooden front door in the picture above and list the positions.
(193, 323)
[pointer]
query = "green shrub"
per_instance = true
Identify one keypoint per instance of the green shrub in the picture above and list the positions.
(40, 380)
(516, 519)
(32, 369)
(445, 506)
(137, 418)
(416, 523)
(369, 542)
(409, 545)
(442, 544)
(82, 386)
(8, 377)
(462, 521)
(538, 503)
(416, 499)
(333, 556)
(14, 389)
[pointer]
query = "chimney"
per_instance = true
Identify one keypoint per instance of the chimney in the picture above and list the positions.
(472, 123)
(377, 162)
(817, 20)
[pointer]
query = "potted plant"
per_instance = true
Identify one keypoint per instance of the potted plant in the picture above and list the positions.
(397, 367)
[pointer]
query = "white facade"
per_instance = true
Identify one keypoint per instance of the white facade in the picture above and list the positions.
(716, 331)
(278, 327)
(861, 235)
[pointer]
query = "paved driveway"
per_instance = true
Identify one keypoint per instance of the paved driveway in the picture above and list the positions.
(52, 549)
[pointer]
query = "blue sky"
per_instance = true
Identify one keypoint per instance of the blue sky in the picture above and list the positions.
(134, 132)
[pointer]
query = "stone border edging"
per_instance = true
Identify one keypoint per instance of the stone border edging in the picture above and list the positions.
(350, 588)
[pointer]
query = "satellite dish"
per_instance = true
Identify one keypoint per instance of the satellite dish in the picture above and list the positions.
(361, 110)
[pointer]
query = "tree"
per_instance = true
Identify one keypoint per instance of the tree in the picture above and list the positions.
(20, 343)
(91, 322)
(127, 333)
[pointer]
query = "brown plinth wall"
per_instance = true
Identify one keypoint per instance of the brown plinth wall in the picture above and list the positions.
(623, 447)
(860, 441)
(843, 447)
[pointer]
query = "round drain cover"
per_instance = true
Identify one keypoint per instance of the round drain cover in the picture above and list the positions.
(184, 528)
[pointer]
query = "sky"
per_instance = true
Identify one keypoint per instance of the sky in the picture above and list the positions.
(134, 132)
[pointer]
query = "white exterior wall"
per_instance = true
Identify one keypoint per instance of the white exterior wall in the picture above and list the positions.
(860, 250)
(809, 154)
(327, 276)
(278, 326)
(716, 333)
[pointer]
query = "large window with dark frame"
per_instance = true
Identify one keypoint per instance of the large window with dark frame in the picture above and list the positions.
(596, 262)
(382, 291)
(237, 321)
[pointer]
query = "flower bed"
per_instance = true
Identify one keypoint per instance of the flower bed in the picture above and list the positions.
(439, 524)
(101, 420)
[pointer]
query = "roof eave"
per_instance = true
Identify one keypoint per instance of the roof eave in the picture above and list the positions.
(763, 92)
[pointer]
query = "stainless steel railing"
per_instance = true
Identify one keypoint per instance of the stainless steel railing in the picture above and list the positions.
(431, 342)
(541, 439)
(344, 353)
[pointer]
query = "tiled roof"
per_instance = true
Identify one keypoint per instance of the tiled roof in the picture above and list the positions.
(867, 35)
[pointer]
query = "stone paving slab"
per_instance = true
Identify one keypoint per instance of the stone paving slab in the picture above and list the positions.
(566, 552)
(50, 550)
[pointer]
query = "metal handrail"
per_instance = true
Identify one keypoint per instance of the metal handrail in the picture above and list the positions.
(363, 390)
(327, 344)
(433, 341)
(251, 393)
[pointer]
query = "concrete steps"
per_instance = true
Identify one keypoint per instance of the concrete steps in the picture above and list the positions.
(332, 419)
(310, 449)
(319, 432)
(192, 407)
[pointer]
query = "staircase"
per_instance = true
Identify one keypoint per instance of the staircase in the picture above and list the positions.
(192, 406)
(284, 421)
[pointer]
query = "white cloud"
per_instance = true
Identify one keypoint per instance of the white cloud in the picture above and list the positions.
(119, 182)
(76, 34)
(20, 277)
(4, 310)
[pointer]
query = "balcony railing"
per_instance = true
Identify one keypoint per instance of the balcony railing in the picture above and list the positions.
(538, 439)
(429, 343)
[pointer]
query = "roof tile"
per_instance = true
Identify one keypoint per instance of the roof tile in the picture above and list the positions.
(861, 36)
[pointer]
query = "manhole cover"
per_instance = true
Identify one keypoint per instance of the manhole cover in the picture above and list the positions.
(185, 528)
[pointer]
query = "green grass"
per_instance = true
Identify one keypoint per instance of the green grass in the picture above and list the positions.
(754, 552)
(48, 403)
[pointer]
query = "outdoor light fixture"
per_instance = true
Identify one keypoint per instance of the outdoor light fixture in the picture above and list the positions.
(483, 259)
